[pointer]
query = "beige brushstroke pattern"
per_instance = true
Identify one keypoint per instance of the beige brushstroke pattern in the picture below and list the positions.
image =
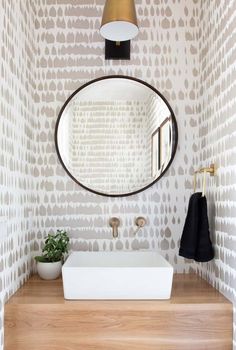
(217, 138)
(47, 60)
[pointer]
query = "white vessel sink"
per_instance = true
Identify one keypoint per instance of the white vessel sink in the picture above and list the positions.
(117, 275)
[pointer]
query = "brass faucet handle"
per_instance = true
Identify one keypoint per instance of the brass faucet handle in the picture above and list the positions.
(114, 222)
(140, 221)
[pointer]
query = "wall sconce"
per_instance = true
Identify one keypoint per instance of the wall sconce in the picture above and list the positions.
(119, 26)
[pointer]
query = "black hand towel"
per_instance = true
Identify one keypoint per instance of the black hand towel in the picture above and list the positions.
(195, 241)
(205, 250)
(189, 239)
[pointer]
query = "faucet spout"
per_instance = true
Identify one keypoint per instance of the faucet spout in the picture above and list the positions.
(114, 223)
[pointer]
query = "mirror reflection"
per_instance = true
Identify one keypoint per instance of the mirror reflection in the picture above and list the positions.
(116, 136)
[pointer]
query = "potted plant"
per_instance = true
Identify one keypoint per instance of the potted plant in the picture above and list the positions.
(50, 262)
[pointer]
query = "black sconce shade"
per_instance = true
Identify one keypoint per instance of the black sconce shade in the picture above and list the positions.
(117, 50)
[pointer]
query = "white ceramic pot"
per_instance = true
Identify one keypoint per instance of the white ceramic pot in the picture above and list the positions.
(49, 270)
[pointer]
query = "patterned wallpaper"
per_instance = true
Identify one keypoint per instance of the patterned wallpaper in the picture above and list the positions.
(36, 194)
(109, 145)
(70, 53)
(17, 145)
(217, 137)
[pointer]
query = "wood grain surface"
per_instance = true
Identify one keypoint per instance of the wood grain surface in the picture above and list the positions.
(197, 317)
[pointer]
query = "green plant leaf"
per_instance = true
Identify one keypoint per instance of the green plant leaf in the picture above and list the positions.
(55, 247)
(41, 259)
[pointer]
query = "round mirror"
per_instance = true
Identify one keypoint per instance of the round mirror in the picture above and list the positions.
(116, 136)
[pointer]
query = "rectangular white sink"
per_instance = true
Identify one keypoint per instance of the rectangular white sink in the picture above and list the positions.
(117, 275)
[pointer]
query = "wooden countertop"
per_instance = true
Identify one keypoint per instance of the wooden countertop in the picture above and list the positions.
(196, 316)
(187, 289)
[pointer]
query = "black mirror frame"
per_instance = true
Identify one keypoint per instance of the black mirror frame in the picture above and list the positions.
(175, 135)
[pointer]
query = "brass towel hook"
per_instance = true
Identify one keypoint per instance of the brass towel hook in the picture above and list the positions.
(204, 183)
(211, 170)
(194, 181)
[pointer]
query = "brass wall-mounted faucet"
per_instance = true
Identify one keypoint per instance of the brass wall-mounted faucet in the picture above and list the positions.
(114, 223)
